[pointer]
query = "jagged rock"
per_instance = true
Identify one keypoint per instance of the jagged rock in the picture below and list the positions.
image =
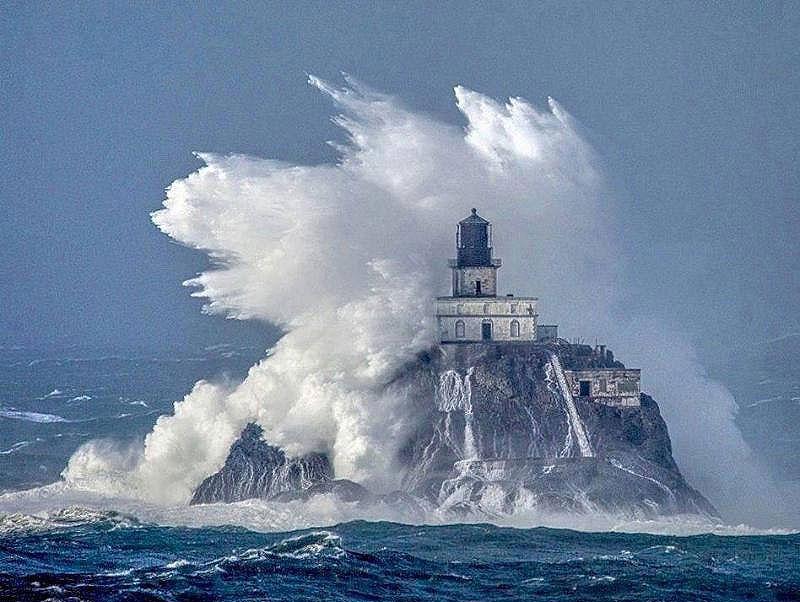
(577, 485)
(495, 436)
(523, 451)
(255, 469)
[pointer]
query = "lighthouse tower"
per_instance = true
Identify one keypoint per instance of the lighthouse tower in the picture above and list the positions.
(474, 270)
(474, 312)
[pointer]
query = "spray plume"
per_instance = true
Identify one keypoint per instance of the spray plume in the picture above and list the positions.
(346, 259)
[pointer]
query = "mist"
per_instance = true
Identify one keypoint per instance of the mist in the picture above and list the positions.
(347, 257)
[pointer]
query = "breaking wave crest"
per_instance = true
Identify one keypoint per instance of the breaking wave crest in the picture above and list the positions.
(30, 416)
(344, 256)
(341, 256)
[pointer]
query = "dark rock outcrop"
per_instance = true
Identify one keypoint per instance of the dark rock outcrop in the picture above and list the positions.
(255, 469)
(495, 436)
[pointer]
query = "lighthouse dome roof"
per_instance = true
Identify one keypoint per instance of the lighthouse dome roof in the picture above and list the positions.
(474, 218)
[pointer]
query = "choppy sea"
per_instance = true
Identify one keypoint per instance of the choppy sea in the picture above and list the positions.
(111, 557)
(51, 403)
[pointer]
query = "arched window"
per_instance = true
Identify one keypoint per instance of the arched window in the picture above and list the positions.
(514, 328)
(460, 329)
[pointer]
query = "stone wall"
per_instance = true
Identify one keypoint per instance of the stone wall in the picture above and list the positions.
(616, 387)
(546, 332)
(508, 316)
(464, 280)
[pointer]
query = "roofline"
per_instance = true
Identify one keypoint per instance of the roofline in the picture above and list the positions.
(487, 298)
(474, 218)
(604, 370)
(486, 316)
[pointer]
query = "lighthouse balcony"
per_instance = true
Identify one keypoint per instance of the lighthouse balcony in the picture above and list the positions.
(495, 262)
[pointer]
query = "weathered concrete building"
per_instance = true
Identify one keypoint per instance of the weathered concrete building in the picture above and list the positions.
(497, 319)
(546, 332)
(610, 386)
(474, 312)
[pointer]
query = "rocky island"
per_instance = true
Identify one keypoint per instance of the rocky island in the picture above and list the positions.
(511, 417)
(497, 437)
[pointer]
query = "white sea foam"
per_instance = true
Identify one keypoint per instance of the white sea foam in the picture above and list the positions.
(30, 416)
(18, 446)
(43, 508)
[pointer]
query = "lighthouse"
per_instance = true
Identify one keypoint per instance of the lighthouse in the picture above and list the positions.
(474, 269)
(474, 312)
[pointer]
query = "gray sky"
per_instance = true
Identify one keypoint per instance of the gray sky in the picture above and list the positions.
(693, 109)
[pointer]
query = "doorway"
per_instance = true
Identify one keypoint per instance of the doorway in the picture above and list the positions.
(486, 331)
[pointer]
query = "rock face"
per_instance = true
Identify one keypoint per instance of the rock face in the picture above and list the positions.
(257, 470)
(497, 435)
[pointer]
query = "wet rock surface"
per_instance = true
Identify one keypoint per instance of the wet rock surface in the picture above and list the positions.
(494, 436)
(255, 469)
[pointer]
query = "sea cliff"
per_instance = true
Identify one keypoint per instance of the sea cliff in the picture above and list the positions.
(496, 434)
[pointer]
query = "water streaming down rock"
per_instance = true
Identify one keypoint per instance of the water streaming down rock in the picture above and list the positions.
(455, 394)
(502, 439)
(552, 386)
(576, 424)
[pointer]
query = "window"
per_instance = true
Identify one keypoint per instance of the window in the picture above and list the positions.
(487, 308)
(460, 329)
(513, 308)
(603, 385)
(460, 308)
(514, 328)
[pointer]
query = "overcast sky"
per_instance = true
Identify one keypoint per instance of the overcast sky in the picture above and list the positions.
(695, 111)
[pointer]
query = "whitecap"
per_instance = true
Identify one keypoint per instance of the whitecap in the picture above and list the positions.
(316, 543)
(17, 446)
(30, 416)
(80, 398)
(602, 578)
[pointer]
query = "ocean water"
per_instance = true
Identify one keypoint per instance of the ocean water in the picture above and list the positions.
(53, 401)
(61, 544)
(112, 557)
